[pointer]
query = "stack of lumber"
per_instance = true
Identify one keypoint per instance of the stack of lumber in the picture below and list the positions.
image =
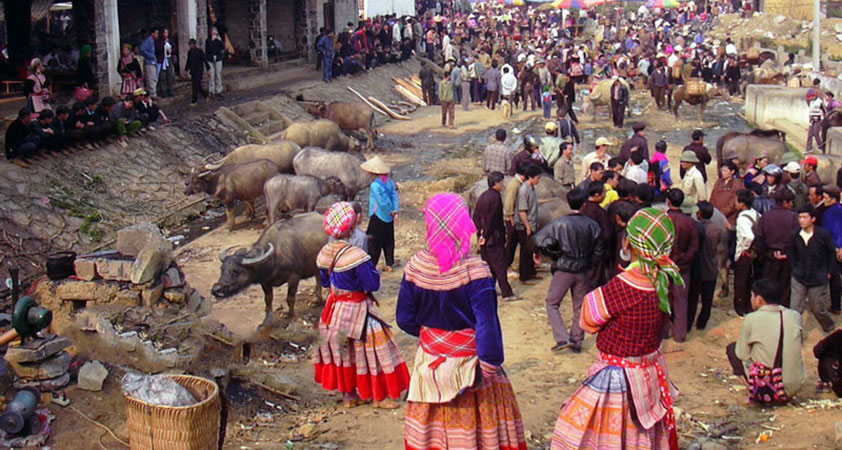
(410, 89)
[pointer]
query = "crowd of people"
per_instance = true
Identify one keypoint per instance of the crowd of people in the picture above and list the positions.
(83, 124)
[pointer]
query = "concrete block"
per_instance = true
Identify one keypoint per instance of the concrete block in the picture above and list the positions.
(36, 351)
(74, 290)
(85, 269)
(151, 261)
(52, 367)
(151, 295)
(174, 295)
(172, 278)
(114, 269)
(131, 240)
(91, 376)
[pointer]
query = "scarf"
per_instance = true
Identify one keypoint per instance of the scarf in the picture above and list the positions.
(449, 229)
(651, 234)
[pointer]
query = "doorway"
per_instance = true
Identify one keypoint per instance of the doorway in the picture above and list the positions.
(329, 10)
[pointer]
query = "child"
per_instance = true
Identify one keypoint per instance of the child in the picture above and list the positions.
(547, 101)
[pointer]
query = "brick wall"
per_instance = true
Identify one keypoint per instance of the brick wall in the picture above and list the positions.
(280, 22)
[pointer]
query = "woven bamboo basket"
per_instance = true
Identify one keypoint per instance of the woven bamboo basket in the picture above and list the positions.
(696, 86)
(196, 427)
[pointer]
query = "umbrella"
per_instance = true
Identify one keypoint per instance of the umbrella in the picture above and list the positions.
(662, 4)
(570, 4)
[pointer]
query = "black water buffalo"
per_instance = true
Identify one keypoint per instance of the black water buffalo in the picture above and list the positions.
(284, 254)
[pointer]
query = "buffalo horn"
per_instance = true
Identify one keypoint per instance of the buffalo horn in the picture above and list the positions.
(205, 173)
(225, 252)
(260, 258)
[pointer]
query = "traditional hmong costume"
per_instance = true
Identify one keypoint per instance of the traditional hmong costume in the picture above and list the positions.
(39, 95)
(626, 401)
(357, 354)
(459, 396)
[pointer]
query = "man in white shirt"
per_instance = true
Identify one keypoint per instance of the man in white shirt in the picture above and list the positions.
(600, 154)
(634, 168)
(730, 48)
(816, 111)
(743, 266)
(693, 184)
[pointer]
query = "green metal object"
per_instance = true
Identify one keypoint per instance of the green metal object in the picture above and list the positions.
(21, 411)
(28, 318)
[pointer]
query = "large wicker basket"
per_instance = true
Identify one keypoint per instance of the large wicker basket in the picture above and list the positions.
(196, 427)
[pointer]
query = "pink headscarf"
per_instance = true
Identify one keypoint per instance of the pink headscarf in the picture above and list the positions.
(449, 229)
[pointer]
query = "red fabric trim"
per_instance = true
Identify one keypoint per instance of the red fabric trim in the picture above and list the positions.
(367, 386)
(352, 297)
(663, 386)
(521, 446)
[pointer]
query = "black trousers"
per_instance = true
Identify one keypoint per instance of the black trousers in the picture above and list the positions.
(511, 243)
(736, 363)
(495, 256)
(703, 289)
(743, 269)
(382, 237)
(779, 270)
(197, 89)
(526, 267)
(618, 113)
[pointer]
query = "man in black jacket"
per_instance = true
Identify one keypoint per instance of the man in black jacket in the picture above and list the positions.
(575, 245)
(215, 47)
(811, 253)
(20, 142)
(491, 235)
(197, 65)
(619, 100)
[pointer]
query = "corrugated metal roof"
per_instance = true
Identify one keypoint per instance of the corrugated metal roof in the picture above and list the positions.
(40, 8)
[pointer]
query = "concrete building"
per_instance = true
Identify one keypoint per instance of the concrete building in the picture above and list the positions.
(105, 24)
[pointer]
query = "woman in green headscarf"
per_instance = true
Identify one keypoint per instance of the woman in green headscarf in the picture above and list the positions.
(84, 70)
(626, 402)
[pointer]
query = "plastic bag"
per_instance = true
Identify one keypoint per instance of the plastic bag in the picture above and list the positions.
(158, 390)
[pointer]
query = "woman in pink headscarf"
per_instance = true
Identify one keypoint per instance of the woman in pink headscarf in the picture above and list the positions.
(357, 356)
(459, 396)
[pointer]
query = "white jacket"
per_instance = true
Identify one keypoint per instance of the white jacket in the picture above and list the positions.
(745, 233)
(508, 82)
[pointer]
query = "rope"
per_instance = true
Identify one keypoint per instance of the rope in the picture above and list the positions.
(100, 425)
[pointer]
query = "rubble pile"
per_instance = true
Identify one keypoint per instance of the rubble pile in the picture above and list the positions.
(140, 272)
(771, 31)
(42, 363)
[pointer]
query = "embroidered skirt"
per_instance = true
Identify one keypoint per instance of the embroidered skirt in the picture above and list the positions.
(599, 416)
(372, 366)
(486, 417)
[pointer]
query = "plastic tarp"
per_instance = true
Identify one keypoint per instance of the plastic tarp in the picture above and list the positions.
(384, 7)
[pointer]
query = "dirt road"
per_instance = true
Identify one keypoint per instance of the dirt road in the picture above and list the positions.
(428, 159)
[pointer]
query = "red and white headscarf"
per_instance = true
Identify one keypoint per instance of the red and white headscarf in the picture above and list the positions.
(339, 219)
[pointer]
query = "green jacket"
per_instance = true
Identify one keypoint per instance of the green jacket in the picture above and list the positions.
(445, 91)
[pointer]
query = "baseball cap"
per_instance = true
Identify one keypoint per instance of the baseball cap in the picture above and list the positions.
(550, 126)
(811, 160)
(792, 167)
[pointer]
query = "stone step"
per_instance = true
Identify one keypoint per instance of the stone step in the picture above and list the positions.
(243, 109)
(257, 118)
(270, 128)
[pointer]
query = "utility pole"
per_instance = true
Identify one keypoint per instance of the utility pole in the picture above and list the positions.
(817, 35)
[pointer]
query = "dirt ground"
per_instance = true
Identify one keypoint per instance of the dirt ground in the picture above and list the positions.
(426, 160)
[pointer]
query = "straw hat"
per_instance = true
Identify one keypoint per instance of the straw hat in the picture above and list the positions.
(602, 141)
(376, 166)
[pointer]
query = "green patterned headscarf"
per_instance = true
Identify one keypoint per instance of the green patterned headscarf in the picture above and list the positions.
(651, 233)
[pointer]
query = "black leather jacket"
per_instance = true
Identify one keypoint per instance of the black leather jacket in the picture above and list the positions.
(572, 241)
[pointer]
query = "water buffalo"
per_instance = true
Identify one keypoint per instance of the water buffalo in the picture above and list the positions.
(345, 166)
(349, 117)
(233, 182)
(601, 96)
(547, 189)
(551, 209)
(290, 192)
(679, 94)
(320, 133)
(750, 145)
(279, 152)
(285, 253)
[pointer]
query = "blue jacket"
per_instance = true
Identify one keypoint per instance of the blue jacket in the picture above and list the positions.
(147, 49)
(383, 200)
(832, 221)
(325, 46)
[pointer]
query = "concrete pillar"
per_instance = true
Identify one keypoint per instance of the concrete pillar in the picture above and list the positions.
(186, 20)
(18, 29)
(257, 32)
(107, 47)
(201, 22)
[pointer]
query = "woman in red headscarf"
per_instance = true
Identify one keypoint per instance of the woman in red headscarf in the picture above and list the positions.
(357, 356)
(459, 396)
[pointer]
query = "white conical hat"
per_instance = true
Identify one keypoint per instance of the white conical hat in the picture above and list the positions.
(376, 166)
